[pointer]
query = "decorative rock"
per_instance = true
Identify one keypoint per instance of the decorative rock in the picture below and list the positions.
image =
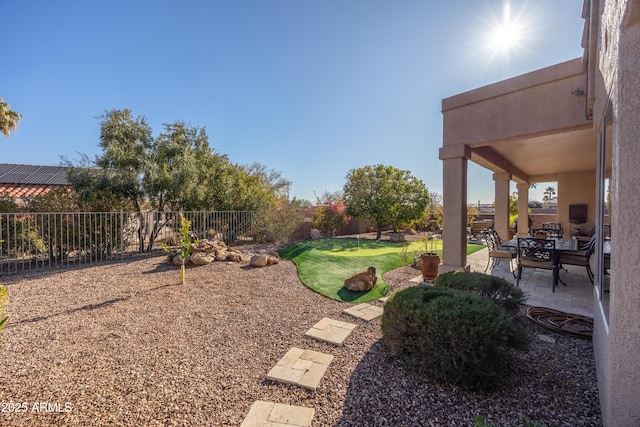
(201, 258)
(259, 260)
(396, 237)
(221, 255)
(315, 234)
(175, 260)
(363, 281)
(234, 256)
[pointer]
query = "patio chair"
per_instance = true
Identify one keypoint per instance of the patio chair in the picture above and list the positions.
(581, 257)
(538, 253)
(497, 251)
(476, 230)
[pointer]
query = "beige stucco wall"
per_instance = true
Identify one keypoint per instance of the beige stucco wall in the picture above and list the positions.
(616, 347)
(577, 188)
(526, 105)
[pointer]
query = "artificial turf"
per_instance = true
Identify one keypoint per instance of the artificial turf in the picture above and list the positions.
(324, 264)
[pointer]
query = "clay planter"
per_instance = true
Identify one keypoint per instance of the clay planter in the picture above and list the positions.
(429, 263)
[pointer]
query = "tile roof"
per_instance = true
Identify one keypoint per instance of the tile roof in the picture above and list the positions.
(24, 191)
(26, 181)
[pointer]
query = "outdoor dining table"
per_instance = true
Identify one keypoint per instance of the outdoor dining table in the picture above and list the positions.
(561, 244)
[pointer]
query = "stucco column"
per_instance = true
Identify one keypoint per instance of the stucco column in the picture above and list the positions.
(501, 216)
(523, 209)
(454, 201)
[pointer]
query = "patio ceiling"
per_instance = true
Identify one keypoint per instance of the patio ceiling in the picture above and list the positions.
(539, 158)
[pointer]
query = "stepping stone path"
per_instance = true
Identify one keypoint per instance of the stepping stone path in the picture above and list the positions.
(265, 414)
(364, 311)
(301, 367)
(305, 368)
(331, 331)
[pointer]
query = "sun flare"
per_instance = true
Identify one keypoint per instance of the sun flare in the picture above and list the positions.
(506, 34)
(505, 37)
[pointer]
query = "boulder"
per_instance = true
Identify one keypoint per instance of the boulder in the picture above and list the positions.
(221, 254)
(396, 237)
(201, 258)
(315, 234)
(261, 260)
(363, 281)
(234, 256)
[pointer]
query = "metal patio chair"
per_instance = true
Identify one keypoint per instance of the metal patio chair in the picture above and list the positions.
(538, 253)
(497, 251)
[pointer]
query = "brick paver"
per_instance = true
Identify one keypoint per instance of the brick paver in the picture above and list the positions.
(331, 331)
(269, 414)
(304, 368)
(364, 311)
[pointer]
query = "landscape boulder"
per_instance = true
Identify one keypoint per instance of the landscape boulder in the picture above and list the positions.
(315, 234)
(363, 281)
(263, 260)
(201, 258)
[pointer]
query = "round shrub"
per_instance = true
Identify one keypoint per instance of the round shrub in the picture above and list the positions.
(497, 289)
(450, 335)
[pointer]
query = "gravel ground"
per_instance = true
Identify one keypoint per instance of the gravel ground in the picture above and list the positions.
(125, 344)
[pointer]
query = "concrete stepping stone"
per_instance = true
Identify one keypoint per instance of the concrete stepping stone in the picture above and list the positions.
(269, 414)
(304, 368)
(331, 331)
(364, 311)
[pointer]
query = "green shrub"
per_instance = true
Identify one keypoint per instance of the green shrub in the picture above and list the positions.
(450, 335)
(497, 289)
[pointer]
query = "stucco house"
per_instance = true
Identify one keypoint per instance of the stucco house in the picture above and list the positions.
(575, 123)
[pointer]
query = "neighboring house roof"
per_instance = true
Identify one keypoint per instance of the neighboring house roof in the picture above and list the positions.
(24, 181)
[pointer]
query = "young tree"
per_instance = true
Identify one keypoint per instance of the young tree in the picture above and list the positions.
(9, 119)
(384, 195)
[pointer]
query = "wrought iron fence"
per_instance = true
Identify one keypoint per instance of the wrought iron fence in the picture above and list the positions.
(30, 241)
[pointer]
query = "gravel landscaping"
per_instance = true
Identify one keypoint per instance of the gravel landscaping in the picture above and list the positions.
(126, 344)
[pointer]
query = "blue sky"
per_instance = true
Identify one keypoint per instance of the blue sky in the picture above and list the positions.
(310, 88)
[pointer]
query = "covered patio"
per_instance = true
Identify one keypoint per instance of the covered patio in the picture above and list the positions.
(533, 128)
(576, 297)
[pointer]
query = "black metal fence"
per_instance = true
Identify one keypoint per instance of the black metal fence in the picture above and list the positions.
(30, 241)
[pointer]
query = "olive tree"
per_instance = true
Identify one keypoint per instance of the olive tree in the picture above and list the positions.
(384, 195)
(9, 119)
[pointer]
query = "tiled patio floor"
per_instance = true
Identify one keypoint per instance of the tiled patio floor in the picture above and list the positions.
(576, 297)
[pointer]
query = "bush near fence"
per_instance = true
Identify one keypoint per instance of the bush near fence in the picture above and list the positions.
(45, 240)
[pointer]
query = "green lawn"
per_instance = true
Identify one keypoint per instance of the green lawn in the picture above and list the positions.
(323, 265)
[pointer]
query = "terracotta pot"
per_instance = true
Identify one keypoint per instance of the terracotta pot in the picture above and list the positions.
(429, 263)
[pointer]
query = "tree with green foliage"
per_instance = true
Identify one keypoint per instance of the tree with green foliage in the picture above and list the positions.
(178, 170)
(384, 195)
(126, 142)
(177, 162)
(9, 119)
(549, 192)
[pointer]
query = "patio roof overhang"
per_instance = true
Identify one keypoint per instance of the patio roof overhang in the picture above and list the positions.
(531, 127)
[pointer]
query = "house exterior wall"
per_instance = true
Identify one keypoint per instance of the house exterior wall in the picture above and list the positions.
(617, 339)
(577, 188)
(526, 105)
